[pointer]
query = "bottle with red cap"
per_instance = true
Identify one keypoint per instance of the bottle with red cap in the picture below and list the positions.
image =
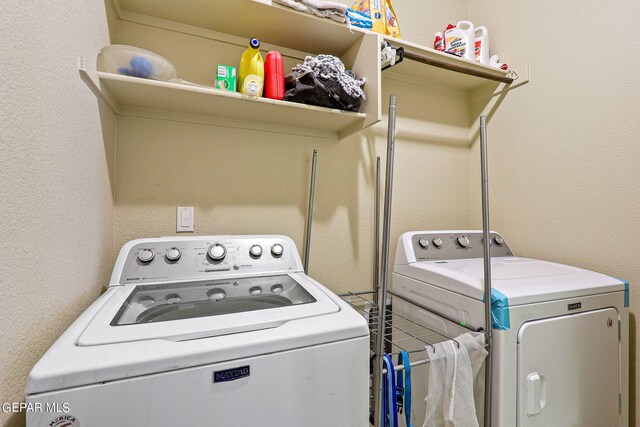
(438, 43)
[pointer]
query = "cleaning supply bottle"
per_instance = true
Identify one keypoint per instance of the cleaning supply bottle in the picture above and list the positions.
(460, 40)
(482, 45)
(494, 62)
(450, 25)
(438, 43)
(273, 76)
(251, 73)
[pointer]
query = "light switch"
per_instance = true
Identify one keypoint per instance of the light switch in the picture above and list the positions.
(184, 219)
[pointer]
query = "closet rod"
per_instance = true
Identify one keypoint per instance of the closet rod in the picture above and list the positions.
(384, 265)
(486, 246)
(408, 54)
(312, 191)
(376, 257)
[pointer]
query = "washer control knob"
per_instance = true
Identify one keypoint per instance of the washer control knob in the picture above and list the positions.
(463, 241)
(277, 250)
(217, 252)
(255, 251)
(498, 240)
(146, 255)
(173, 298)
(437, 242)
(173, 254)
(424, 243)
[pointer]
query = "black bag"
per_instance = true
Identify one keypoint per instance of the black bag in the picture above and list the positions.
(308, 89)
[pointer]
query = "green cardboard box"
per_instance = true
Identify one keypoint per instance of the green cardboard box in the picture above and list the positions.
(226, 78)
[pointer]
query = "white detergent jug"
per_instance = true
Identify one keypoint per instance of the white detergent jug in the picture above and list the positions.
(494, 62)
(460, 40)
(482, 45)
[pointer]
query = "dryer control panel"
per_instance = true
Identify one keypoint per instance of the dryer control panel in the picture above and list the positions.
(447, 245)
(178, 258)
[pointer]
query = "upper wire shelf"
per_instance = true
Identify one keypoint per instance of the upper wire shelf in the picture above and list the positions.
(400, 332)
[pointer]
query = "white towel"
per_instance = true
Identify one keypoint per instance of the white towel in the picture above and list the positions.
(450, 401)
(325, 9)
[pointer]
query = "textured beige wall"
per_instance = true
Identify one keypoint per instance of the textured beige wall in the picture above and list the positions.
(564, 152)
(56, 190)
(254, 182)
(243, 181)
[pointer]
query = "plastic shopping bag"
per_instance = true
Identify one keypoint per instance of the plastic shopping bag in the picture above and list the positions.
(383, 16)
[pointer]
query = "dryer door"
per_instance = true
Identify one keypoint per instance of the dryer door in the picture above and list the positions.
(569, 371)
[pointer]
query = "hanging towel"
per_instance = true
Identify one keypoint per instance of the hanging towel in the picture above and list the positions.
(323, 8)
(452, 369)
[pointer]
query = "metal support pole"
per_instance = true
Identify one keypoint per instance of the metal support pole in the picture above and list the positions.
(312, 190)
(376, 259)
(384, 265)
(486, 243)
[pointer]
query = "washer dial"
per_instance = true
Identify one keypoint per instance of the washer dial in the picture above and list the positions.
(255, 251)
(216, 294)
(173, 254)
(463, 241)
(173, 298)
(146, 255)
(424, 243)
(437, 242)
(498, 240)
(277, 250)
(217, 252)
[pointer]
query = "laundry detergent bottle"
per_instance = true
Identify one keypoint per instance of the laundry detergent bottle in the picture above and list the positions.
(482, 45)
(460, 40)
(251, 73)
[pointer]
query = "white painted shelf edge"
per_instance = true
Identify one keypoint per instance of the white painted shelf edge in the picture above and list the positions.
(139, 93)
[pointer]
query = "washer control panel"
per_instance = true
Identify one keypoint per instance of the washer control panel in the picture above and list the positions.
(173, 259)
(456, 245)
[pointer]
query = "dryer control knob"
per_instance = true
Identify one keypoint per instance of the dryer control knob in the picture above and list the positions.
(217, 252)
(424, 243)
(463, 241)
(146, 255)
(498, 240)
(173, 254)
(277, 250)
(437, 242)
(255, 251)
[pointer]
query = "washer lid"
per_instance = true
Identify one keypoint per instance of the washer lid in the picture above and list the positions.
(183, 311)
(521, 280)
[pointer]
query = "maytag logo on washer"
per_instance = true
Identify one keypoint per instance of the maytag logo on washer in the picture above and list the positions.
(231, 374)
(65, 421)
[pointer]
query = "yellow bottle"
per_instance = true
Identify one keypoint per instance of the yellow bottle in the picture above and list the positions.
(251, 74)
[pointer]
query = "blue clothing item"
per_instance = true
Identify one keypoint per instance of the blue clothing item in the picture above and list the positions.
(390, 403)
(403, 387)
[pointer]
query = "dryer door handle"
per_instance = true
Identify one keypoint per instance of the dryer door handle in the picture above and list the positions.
(536, 393)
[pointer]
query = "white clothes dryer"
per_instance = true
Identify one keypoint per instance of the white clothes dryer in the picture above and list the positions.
(207, 331)
(560, 337)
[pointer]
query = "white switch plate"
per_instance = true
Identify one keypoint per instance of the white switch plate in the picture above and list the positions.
(184, 219)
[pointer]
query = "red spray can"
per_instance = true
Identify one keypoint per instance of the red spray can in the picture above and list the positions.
(273, 76)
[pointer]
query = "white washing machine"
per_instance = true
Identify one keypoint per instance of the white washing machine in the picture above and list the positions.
(207, 331)
(560, 346)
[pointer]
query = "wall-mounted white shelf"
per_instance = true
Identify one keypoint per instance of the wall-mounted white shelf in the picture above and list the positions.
(271, 23)
(297, 34)
(460, 74)
(132, 92)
